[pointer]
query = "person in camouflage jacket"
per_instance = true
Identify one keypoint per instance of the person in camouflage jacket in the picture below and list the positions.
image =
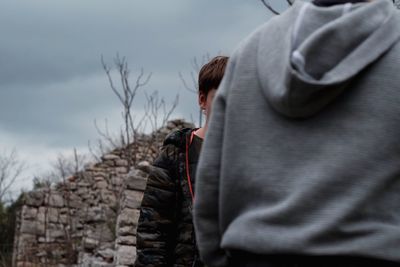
(165, 233)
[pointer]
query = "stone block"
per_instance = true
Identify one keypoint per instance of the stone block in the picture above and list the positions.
(54, 234)
(108, 197)
(121, 169)
(78, 233)
(127, 230)
(34, 198)
(129, 240)
(144, 166)
(103, 233)
(99, 178)
(52, 215)
(27, 239)
(90, 243)
(110, 157)
(89, 166)
(74, 202)
(107, 254)
(99, 174)
(121, 163)
(28, 264)
(32, 227)
(164, 131)
(126, 255)
(82, 191)
(171, 125)
(136, 183)
(101, 185)
(128, 217)
(41, 215)
(132, 199)
(99, 263)
(83, 184)
(55, 200)
(95, 214)
(109, 163)
(117, 181)
(29, 212)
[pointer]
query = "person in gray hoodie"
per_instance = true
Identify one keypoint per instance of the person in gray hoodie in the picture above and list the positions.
(301, 162)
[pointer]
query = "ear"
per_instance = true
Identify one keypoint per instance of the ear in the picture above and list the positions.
(202, 100)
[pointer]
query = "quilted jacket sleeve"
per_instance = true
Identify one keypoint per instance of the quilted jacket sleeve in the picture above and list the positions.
(156, 227)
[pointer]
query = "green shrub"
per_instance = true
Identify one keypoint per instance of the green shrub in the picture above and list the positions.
(8, 216)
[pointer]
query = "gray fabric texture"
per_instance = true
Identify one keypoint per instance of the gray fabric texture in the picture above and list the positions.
(302, 155)
(335, 2)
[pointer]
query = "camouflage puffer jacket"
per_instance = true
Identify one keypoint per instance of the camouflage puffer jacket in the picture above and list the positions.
(165, 234)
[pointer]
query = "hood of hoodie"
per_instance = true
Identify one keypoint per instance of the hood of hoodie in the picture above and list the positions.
(324, 49)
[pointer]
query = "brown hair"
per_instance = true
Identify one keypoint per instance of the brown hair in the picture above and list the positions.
(211, 74)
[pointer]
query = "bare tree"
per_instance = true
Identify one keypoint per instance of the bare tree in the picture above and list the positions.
(156, 110)
(126, 94)
(11, 169)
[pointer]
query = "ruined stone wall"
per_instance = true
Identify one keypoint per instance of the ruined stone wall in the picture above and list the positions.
(89, 219)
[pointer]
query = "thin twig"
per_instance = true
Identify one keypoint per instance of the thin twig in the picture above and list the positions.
(187, 87)
(11, 169)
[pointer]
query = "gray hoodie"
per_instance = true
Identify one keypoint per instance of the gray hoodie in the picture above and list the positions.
(303, 151)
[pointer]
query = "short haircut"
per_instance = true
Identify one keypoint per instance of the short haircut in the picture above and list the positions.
(211, 74)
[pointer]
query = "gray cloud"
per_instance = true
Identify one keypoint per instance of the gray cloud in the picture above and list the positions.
(52, 85)
(51, 41)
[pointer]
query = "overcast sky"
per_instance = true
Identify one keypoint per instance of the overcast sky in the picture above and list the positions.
(52, 86)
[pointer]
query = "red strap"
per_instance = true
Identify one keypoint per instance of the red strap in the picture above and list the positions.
(187, 164)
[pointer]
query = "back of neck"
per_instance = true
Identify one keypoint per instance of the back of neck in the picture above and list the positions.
(201, 132)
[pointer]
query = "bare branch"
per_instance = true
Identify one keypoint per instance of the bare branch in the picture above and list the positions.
(93, 152)
(196, 67)
(127, 92)
(195, 81)
(139, 79)
(108, 72)
(106, 135)
(77, 161)
(168, 113)
(11, 169)
(63, 167)
(187, 87)
(156, 110)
